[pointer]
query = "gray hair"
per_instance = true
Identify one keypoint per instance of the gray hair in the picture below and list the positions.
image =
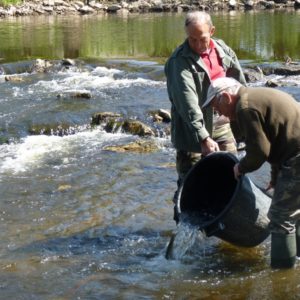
(233, 90)
(220, 85)
(198, 17)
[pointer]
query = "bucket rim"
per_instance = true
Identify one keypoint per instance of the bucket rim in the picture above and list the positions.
(229, 204)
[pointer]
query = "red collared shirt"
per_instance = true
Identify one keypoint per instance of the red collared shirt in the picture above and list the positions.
(213, 62)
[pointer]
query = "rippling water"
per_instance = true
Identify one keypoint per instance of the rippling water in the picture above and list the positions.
(81, 222)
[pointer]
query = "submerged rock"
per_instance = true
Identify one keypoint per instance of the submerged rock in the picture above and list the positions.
(13, 78)
(140, 146)
(53, 129)
(75, 94)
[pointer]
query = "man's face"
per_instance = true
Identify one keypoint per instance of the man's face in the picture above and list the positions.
(199, 36)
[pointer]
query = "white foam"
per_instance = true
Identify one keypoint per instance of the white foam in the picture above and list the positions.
(100, 78)
(34, 151)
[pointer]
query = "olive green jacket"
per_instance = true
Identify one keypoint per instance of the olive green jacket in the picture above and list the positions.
(187, 84)
(269, 121)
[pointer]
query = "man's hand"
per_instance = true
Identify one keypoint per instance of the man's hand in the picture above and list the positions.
(209, 146)
(236, 171)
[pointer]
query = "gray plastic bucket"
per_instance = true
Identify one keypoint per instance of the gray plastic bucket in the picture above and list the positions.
(211, 198)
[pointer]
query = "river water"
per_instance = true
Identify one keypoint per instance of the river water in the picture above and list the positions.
(81, 222)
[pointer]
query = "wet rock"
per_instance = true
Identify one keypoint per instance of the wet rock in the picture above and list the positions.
(280, 82)
(113, 8)
(64, 187)
(271, 83)
(96, 5)
(281, 69)
(48, 2)
(281, 1)
(103, 117)
(253, 74)
(11, 11)
(137, 128)
(39, 10)
(86, 10)
(41, 66)
(79, 3)
(140, 146)
(13, 78)
(232, 4)
(184, 7)
(3, 12)
(161, 115)
(249, 4)
(48, 9)
(287, 70)
(270, 4)
(113, 123)
(68, 62)
(53, 129)
(60, 3)
(84, 94)
(53, 7)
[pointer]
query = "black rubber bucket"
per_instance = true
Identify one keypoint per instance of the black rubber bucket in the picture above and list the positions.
(211, 198)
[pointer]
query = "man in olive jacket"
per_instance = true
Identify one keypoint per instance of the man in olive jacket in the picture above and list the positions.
(269, 121)
(189, 71)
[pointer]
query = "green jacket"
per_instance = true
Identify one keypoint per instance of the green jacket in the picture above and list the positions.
(187, 84)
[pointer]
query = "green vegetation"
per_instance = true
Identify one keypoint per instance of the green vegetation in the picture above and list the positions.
(5, 3)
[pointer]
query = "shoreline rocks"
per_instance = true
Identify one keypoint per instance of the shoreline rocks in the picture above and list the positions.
(65, 7)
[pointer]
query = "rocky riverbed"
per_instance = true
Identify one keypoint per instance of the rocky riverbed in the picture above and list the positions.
(151, 124)
(64, 7)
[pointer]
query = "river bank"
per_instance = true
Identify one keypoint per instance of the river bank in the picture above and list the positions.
(61, 7)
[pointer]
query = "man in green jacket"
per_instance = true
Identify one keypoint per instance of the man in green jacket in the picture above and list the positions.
(189, 71)
(269, 121)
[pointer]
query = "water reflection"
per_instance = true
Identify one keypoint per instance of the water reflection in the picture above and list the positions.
(258, 35)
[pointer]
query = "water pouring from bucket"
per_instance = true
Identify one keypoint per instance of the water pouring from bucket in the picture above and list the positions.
(215, 203)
